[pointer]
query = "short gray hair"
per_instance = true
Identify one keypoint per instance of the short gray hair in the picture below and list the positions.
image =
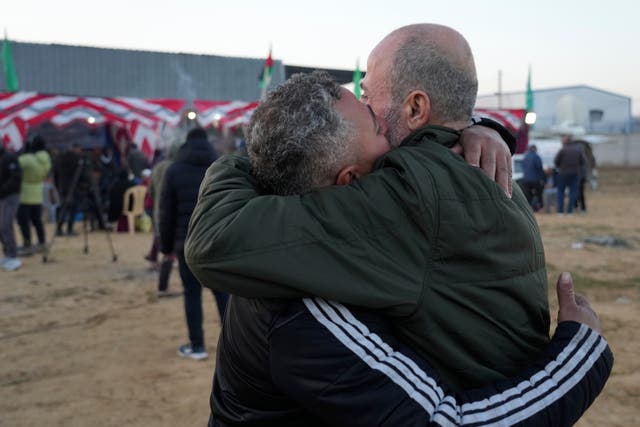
(296, 139)
(420, 65)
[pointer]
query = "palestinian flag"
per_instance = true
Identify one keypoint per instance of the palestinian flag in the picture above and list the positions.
(266, 74)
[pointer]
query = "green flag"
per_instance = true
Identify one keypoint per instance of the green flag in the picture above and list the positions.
(10, 74)
(529, 92)
(356, 79)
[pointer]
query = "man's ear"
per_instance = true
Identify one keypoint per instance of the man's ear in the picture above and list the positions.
(417, 109)
(347, 174)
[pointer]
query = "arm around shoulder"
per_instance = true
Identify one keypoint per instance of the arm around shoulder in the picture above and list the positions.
(257, 246)
(368, 377)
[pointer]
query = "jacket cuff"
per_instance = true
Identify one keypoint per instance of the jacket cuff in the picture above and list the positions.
(505, 133)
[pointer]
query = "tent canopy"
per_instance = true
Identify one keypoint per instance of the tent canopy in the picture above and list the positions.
(141, 119)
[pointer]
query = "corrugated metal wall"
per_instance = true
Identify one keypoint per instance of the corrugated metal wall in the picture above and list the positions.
(552, 107)
(85, 71)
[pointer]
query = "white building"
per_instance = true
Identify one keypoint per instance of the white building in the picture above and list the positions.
(590, 109)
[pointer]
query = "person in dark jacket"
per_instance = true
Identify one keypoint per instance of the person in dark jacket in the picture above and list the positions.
(137, 161)
(107, 169)
(10, 180)
(320, 363)
(122, 183)
(534, 177)
(586, 174)
(178, 198)
(155, 187)
(72, 189)
(570, 161)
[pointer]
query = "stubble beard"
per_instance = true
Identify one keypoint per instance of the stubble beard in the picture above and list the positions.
(394, 135)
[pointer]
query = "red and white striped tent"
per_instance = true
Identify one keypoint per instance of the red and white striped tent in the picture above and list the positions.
(138, 120)
(512, 119)
(223, 114)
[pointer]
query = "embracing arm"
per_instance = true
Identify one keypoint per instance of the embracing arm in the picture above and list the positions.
(348, 369)
(489, 146)
(330, 242)
(390, 385)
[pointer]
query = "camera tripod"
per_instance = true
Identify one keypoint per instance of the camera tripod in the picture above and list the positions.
(83, 202)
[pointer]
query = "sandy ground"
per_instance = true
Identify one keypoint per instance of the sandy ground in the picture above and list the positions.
(85, 342)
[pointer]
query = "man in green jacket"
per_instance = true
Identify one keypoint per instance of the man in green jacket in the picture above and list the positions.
(425, 238)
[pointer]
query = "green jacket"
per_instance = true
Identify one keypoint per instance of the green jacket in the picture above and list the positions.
(35, 167)
(157, 178)
(427, 239)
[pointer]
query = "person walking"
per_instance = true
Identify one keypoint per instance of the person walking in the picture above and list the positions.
(10, 178)
(586, 174)
(569, 161)
(178, 198)
(155, 188)
(35, 164)
(534, 178)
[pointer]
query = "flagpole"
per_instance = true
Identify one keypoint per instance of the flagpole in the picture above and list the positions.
(500, 89)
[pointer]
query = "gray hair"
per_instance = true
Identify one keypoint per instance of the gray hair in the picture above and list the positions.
(296, 139)
(421, 65)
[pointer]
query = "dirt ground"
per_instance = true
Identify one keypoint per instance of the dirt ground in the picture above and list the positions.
(85, 342)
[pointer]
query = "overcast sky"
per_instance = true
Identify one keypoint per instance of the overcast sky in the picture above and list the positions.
(566, 42)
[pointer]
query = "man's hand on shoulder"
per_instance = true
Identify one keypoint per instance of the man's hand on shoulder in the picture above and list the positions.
(484, 147)
(574, 307)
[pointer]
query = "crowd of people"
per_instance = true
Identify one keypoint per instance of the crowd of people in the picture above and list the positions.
(90, 184)
(63, 185)
(545, 188)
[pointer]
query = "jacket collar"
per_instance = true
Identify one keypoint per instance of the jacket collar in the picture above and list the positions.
(432, 133)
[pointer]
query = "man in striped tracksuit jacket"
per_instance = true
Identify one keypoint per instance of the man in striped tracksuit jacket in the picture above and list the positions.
(315, 362)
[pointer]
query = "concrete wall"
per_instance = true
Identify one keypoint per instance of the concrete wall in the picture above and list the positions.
(621, 150)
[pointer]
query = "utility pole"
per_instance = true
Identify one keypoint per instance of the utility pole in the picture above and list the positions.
(500, 89)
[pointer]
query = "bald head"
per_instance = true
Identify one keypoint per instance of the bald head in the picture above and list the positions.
(437, 60)
(450, 43)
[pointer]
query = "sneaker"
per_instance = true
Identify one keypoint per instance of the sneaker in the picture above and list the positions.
(151, 259)
(169, 293)
(195, 353)
(40, 248)
(12, 264)
(25, 251)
